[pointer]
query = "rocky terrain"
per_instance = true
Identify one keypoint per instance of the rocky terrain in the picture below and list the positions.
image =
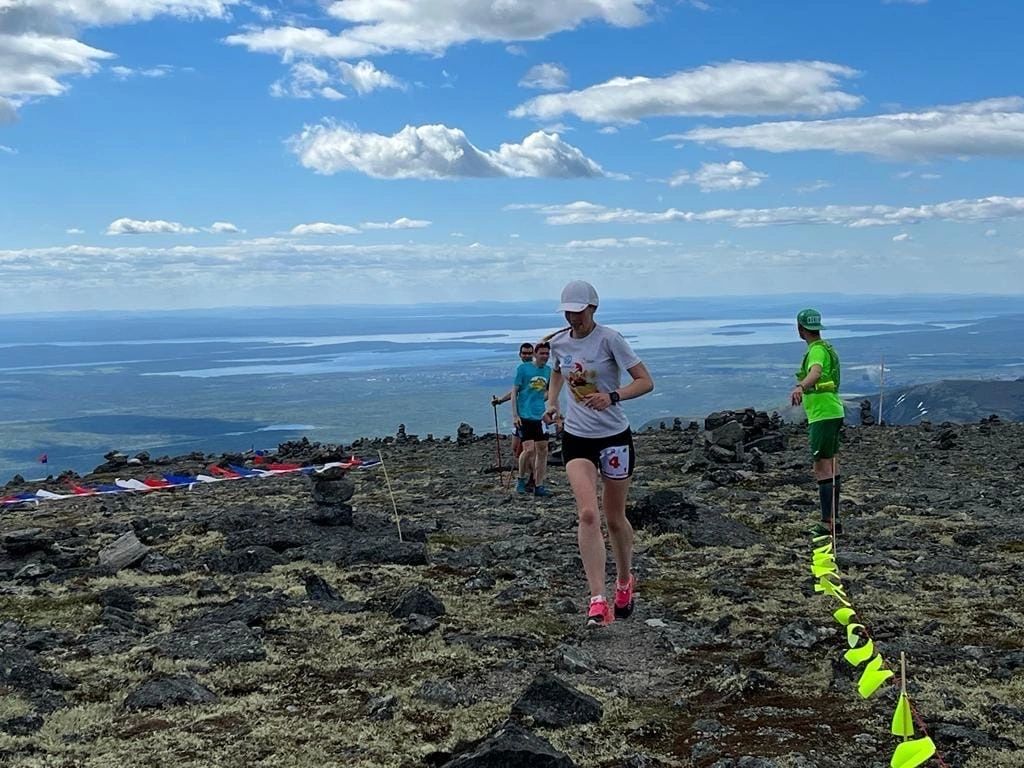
(281, 622)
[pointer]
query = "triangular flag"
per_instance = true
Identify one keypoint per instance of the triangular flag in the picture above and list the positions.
(852, 638)
(834, 590)
(911, 754)
(843, 615)
(857, 656)
(872, 677)
(827, 548)
(820, 539)
(902, 718)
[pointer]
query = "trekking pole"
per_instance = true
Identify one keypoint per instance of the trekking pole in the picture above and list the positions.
(881, 392)
(497, 447)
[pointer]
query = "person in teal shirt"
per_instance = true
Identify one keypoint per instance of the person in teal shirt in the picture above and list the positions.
(817, 389)
(529, 400)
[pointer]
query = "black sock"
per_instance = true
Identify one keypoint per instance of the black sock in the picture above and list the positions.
(828, 494)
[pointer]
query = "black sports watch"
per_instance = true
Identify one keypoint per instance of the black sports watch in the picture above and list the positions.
(615, 397)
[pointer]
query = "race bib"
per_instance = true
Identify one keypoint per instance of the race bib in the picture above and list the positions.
(615, 462)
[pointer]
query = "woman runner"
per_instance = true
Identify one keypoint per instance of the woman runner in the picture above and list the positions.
(597, 441)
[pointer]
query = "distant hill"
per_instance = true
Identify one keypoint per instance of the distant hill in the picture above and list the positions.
(960, 401)
(953, 400)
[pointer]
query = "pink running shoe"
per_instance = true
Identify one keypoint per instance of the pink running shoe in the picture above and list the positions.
(600, 614)
(624, 598)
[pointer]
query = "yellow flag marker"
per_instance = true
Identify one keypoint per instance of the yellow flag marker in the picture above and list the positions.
(826, 548)
(834, 590)
(857, 656)
(902, 719)
(820, 539)
(843, 615)
(822, 570)
(872, 677)
(852, 638)
(911, 754)
(823, 557)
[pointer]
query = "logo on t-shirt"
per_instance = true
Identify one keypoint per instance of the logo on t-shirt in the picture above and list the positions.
(581, 381)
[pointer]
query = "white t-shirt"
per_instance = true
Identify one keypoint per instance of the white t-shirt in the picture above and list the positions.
(594, 363)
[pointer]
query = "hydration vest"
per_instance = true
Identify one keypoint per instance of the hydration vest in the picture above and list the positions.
(829, 381)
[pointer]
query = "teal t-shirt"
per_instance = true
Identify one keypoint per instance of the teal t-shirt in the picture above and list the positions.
(532, 390)
(822, 405)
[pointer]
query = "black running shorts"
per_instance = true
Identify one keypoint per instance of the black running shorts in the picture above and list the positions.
(614, 457)
(532, 430)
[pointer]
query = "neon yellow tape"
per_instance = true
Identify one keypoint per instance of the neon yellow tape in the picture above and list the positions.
(843, 615)
(857, 656)
(872, 677)
(902, 718)
(911, 754)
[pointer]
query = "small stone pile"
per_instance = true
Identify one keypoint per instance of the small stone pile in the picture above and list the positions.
(730, 435)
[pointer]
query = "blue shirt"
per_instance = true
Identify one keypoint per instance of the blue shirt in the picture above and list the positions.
(532, 390)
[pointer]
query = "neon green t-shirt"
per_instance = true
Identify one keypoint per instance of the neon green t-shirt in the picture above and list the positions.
(822, 405)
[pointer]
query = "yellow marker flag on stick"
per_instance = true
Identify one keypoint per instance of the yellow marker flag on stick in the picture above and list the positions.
(820, 539)
(822, 570)
(826, 549)
(852, 638)
(902, 718)
(911, 754)
(843, 615)
(872, 677)
(834, 590)
(857, 656)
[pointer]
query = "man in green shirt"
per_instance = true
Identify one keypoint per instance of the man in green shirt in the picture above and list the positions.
(818, 389)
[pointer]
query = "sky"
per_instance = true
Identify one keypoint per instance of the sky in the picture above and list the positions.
(204, 153)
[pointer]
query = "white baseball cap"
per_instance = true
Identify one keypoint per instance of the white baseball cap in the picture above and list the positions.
(577, 296)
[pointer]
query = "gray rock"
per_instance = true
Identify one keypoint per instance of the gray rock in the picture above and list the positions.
(418, 600)
(215, 643)
(728, 435)
(575, 660)
(159, 565)
(26, 540)
(125, 551)
(163, 692)
(801, 633)
(441, 692)
(34, 571)
(25, 725)
(555, 704)
(332, 492)
(415, 624)
(382, 707)
(330, 516)
(20, 671)
(512, 746)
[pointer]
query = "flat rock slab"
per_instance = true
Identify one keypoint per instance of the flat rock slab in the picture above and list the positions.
(126, 550)
(672, 512)
(512, 746)
(163, 692)
(418, 600)
(553, 703)
(216, 643)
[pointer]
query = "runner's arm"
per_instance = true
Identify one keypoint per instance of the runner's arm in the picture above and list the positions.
(554, 390)
(641, 384)
(812, 378)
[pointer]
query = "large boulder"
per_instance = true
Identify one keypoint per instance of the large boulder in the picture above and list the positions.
(555, 704)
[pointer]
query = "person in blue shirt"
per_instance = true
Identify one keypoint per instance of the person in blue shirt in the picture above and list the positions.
(529, 401)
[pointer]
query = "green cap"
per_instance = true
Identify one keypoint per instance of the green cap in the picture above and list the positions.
(810, 319)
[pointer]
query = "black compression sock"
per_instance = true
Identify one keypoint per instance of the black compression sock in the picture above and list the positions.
(826, 491)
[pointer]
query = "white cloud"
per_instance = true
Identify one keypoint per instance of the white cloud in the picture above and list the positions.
(547, 77)
(38, 45)
(902, 237)
(123, 73)
(323, 228)
(991, 232)
(7, 113)
(223, 228)
(305, 81)
(715, 177)
(813, 186)
(8, 150)
(992, 127)
(854, 216)
(516, 50)
(715, 90)
(365, 77)
(156, 227)
(436, 152)
(399, 223)
(75, 231)
(603, 243)
(608, 130)
(432, 26)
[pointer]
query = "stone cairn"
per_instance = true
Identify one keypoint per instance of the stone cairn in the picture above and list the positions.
(867, 419)
(730, 435)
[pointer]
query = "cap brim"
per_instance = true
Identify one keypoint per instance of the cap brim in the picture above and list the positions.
(570, 307)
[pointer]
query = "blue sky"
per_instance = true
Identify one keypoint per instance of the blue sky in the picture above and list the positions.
(181, 153)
